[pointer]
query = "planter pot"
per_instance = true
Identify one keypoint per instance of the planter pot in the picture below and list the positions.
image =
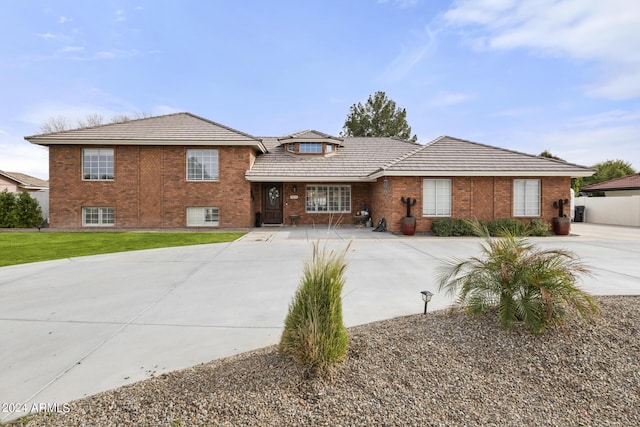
(561, 225)
(408, 225)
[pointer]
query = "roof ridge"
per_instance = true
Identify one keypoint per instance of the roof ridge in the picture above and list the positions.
(106, 124)
(220, 125)
(564, 162)
(403, 157)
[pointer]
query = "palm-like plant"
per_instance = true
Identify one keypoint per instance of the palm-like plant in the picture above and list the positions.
(522, 282)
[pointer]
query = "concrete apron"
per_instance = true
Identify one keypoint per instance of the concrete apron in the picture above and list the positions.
(76, 327)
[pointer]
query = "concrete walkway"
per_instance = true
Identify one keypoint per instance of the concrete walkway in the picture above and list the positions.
(74, 327)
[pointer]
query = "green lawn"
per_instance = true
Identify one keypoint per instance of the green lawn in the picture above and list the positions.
(24, 247)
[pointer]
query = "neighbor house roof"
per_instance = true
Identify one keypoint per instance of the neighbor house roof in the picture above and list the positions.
(448, 156)
(25, 181)
(629, 182)
(183, 128)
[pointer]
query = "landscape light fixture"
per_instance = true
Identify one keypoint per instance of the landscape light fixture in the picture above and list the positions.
(426, 297)
(295, 188)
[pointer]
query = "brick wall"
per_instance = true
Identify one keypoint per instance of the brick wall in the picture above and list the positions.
(482, 198)
(150, 189)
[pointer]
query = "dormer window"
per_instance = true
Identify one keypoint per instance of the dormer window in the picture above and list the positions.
(311, 143)
(310, 147)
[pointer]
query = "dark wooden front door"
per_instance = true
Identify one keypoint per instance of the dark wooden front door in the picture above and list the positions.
(272, 203)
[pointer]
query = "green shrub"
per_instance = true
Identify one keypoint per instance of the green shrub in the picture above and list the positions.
(520, 283)
(447, 227)
(515, 227)
(7, 207)
(314, 332)
(539, 227)
(22, 211)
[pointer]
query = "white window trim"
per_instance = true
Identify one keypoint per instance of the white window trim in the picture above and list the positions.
(538, 202)
(202, 221)
(217, 171)
(437, 207)
(101, 214)
(99, 150)
(339, 188)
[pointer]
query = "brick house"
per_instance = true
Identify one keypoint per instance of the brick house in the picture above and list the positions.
(181, 170)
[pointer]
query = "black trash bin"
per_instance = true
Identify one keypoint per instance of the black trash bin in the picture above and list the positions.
(579, 214)
(258, 219)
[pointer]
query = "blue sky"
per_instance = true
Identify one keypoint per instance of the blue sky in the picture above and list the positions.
(524, 75)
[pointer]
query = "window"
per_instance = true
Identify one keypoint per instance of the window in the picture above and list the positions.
(93, 217)
(436, 197)
(202, 165)
(202, 217)
(97, 163)
(329, 148)
(310, 147)
(526, 197)
(291, 147)
(328, 198)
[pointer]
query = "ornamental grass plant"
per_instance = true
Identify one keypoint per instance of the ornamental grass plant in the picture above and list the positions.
(520, 282)
(314, 333)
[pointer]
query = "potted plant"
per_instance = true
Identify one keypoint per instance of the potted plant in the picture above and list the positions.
(408, 223)
(561, 223)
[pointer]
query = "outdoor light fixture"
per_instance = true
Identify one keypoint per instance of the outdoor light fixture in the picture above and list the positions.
(386, 184)
(426, 297)
(295, 188)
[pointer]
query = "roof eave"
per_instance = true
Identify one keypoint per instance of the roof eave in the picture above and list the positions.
(572, 174)
(285, 178)
(57, 141)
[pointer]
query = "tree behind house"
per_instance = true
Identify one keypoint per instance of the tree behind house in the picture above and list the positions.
(378, 117)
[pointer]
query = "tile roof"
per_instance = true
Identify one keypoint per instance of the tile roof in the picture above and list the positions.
(629, 182)
(453, 156)
(26, 181)
(366, 159)
(354, 160)
(310, 135)
(178, 127)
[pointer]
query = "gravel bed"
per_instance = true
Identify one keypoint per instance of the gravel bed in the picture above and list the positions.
(443, 369)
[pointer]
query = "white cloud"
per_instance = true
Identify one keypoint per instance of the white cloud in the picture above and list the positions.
(517, 112)
(120, 15)
(445, 99)
(403, 4)
(72, 49)
(63, 19)
(605, 33)
(410, 56)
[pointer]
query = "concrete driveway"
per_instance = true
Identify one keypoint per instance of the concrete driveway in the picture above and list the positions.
(74, 327)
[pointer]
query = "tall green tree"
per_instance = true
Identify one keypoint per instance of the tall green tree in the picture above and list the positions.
(607, 170)
(379, 116)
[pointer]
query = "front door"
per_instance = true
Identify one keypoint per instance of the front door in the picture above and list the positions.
(272, 203)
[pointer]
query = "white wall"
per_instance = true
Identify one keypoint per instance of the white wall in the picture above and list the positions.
(611, 210)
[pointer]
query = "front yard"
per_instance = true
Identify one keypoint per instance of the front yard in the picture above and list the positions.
(25, 247)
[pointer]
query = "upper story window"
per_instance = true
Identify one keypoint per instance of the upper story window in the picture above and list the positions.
(97, 164)
(291, 147)
(202, 165)
(310, 147)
